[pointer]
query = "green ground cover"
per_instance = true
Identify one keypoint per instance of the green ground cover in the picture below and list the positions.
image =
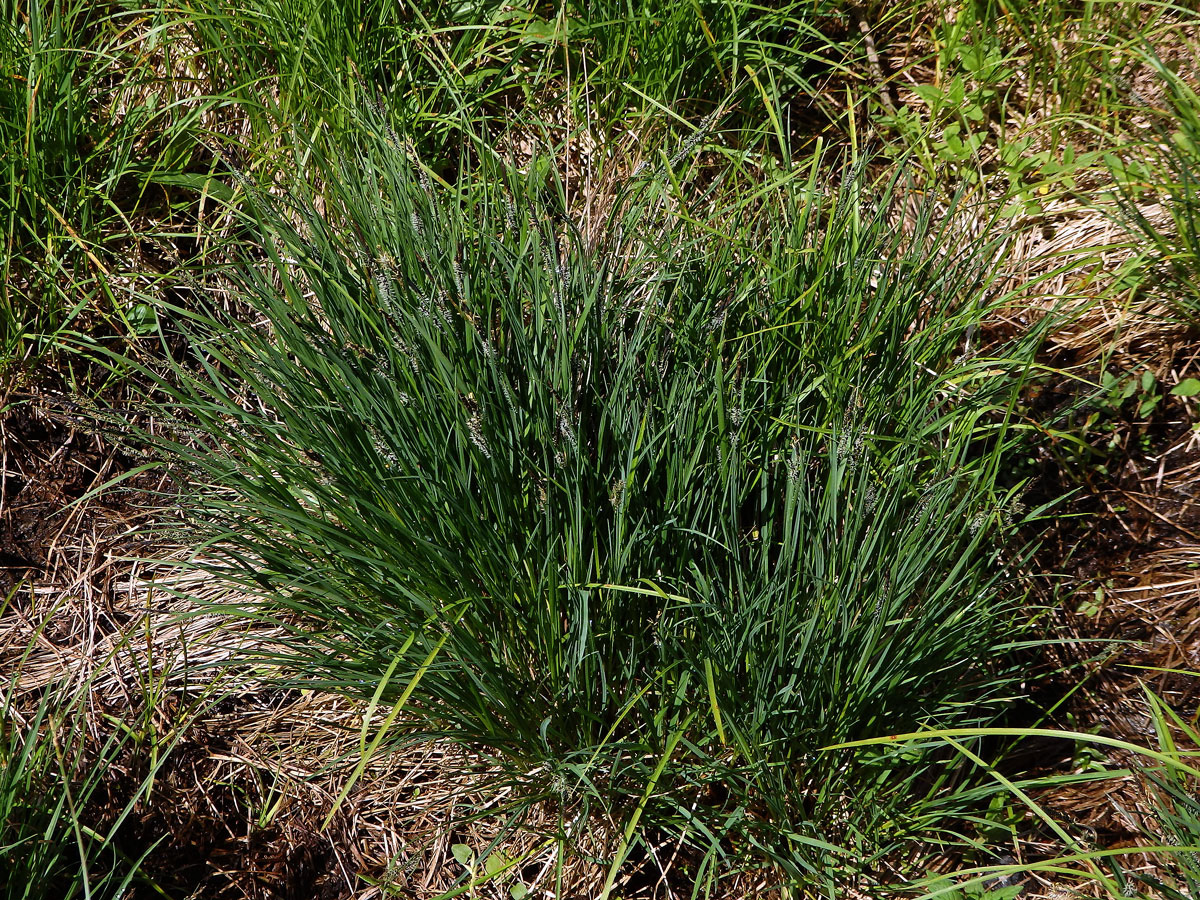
(659, 404)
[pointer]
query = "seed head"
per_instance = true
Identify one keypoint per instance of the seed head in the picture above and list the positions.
(882, 600)
(696, 137)
(794, 469)
(459, 281)
(383, 449)
(850, 445)
(475, 428)
(566, 427)
(402, 348)
(717, 320)
(735, 415)
(616, 493)
(977, 522)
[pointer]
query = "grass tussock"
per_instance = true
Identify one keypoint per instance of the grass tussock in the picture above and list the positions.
(647, 510)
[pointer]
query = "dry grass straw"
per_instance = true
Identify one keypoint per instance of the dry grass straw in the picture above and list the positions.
(1074, 252)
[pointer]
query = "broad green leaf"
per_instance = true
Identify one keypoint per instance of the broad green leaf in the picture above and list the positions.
(464, 854)
(933, 96)
(495, 863)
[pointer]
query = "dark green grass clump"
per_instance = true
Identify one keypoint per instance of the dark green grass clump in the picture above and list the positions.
(650, 518)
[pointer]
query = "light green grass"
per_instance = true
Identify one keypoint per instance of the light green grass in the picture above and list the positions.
(1023, 99)
(459, 78)
(96, 145)
(1159, 192)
